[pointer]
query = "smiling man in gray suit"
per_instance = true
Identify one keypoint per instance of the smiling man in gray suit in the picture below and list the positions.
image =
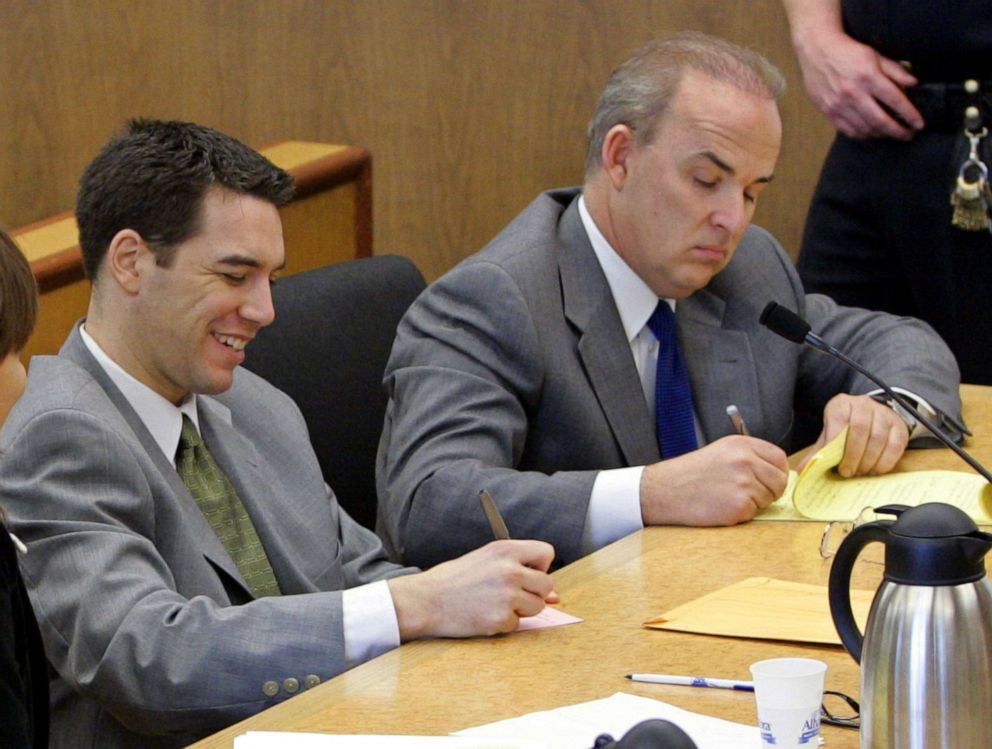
(188, 565)
(533, 369)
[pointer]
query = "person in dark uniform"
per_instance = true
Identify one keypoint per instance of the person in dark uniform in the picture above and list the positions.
(23, 669)
(896, 80)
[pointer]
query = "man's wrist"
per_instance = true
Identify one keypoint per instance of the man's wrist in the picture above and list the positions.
(908, 419)
(409, 604)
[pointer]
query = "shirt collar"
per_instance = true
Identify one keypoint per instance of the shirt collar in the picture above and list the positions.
(163, 419)
(634, 299)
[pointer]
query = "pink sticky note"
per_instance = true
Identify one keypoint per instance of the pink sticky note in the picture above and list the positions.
(549, 617)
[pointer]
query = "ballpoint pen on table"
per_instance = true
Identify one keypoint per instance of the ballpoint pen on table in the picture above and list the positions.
(735, 418)
(693, 681)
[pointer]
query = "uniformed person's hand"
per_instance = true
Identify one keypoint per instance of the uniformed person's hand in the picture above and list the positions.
(859, 90)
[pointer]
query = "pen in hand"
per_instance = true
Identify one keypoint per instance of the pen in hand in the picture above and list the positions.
(492, 515)
(500, 531)
(737, 420)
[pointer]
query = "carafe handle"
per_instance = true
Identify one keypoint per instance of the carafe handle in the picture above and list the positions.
(840, 583)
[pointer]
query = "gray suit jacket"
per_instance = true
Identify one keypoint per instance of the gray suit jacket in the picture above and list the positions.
(146, 620)
(513, 373)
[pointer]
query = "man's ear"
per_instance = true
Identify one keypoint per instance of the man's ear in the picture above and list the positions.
(617, 147)
(126, 256)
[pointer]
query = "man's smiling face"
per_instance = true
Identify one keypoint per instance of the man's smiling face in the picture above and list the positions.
(195, 315)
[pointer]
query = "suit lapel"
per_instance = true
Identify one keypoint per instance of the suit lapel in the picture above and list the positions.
(721, 366)
(196, 524)
(602, 343)
(238, 458)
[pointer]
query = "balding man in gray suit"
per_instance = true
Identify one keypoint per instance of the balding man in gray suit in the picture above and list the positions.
(530, 370)
(188, 565)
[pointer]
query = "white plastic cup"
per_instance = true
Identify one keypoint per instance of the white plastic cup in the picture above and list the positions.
(789, 692)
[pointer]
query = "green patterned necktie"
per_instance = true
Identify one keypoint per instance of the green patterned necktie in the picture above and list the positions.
(223, 509)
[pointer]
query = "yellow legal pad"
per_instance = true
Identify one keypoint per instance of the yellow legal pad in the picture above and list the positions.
(820, 493)
(763, 608)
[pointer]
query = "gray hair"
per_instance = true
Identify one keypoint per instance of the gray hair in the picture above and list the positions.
(641, 89)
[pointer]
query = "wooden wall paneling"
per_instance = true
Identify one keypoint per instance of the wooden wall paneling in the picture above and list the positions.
(470, 107)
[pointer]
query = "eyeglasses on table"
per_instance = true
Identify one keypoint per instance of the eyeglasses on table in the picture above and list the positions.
(838, 709)
(834, 534)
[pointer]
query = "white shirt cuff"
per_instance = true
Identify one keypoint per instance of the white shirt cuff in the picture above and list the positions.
(919, 429)
(614, 507)
(370, 626)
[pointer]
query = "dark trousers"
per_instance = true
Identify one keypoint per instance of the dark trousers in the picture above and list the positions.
(879, 235)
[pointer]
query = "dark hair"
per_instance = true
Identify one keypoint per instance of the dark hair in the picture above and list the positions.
(18, 298)
(641, 89)
(152, 178)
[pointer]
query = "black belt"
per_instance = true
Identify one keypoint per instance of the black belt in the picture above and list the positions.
(943, 104)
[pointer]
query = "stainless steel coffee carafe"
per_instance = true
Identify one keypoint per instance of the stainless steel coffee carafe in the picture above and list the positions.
(926, 660)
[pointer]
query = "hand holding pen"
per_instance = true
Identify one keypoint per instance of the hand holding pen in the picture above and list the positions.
(500, 531)
(484, 592)
(727, 481)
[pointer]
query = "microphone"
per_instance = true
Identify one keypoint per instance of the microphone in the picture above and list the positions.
(786, 323)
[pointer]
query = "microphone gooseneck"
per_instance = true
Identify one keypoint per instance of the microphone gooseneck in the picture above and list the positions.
(786, 323)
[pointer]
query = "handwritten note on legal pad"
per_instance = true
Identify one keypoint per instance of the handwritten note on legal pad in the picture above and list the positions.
(820, 493)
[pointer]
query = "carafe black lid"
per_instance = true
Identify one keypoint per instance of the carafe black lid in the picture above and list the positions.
(934, 544)
(932, 520)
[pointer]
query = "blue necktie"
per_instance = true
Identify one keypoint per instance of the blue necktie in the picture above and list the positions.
(673, 397)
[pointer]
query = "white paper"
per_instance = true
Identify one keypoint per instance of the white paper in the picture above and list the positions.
(570, 727)
(290, 740)
(577, 726)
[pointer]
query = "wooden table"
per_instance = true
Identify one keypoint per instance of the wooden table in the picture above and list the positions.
(435, 687)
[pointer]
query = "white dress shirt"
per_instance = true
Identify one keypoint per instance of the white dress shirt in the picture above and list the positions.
(369, 618)
(615, 505)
